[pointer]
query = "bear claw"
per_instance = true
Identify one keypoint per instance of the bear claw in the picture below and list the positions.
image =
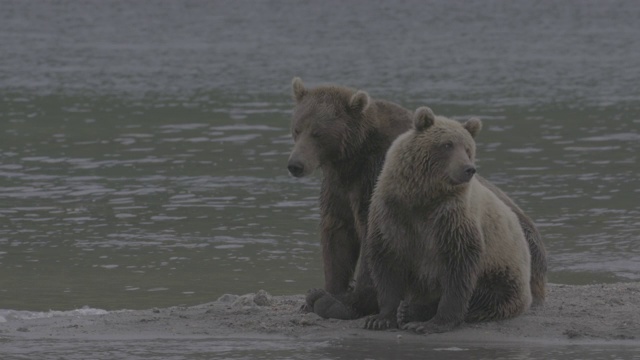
(312, 296)
(377, 323)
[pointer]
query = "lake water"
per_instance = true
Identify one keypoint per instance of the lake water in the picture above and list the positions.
(143, 144)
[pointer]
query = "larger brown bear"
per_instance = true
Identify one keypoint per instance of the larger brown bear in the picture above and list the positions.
(442, 247)
(346, 134)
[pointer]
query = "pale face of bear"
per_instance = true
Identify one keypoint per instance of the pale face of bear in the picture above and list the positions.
(324, 126)
(447, 147)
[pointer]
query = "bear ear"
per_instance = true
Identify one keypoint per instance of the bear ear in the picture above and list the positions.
(298, 89)
(359, 101)
(473, 126)
(423, 118)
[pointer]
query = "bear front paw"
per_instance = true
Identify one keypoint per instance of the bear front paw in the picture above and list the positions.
(377, 322)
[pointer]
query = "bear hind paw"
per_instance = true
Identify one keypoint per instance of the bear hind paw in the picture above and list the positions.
(327, 306)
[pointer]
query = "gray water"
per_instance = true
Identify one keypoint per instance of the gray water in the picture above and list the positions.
(143, 144)
(277, 348)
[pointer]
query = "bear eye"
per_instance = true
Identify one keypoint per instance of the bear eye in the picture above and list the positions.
(296, 132)
(448, 145)
(315, 134)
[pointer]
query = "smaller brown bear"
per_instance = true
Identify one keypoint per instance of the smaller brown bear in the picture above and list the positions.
(442, 248)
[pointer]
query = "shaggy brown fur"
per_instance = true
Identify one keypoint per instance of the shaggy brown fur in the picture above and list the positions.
(346, 134)
(439, 239)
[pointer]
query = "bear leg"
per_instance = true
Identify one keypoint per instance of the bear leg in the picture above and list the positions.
(538, 263)
(390, 294)
(390, 281)
(340, 252)
(497, 296)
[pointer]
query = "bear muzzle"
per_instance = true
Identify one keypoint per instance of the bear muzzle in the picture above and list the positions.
(468, 173)
(464, 175)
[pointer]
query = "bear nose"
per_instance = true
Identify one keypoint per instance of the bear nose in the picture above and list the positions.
(470, 171)
(296, 169)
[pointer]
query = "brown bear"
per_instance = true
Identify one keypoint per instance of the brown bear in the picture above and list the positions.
(346, 134)
(442, 248)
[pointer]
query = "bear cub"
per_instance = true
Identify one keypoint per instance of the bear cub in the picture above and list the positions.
(442, 247)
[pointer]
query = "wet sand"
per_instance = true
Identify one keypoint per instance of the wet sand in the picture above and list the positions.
(607, 313)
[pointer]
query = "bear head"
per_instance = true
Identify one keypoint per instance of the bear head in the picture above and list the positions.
(329, 124)
(437, 155)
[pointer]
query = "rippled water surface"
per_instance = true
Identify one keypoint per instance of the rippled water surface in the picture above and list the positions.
(143, 144)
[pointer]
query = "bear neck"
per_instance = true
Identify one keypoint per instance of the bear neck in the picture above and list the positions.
(365, 159)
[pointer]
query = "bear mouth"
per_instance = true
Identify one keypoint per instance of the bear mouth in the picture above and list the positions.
(458, 182)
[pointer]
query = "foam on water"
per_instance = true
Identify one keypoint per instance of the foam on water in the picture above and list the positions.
(16, 315)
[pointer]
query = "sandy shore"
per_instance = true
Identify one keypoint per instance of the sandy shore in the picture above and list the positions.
(608, 313)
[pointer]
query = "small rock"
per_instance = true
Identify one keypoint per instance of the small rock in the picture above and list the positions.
(616, 302)
(262, 298)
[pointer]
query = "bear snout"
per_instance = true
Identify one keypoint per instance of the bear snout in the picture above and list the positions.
(462, 175)
(468, 173)
(470, 170)
(296, 168)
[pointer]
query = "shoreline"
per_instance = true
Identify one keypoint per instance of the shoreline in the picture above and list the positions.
(604, 314)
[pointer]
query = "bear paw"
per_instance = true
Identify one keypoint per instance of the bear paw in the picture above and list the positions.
(327, 306)
(312, 296)
(378, 322)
